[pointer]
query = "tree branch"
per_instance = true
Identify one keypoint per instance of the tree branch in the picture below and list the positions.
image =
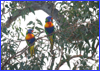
(45, 6)
(62, 62)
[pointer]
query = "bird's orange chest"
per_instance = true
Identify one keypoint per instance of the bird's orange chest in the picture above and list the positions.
(29, 36)
(48, 24)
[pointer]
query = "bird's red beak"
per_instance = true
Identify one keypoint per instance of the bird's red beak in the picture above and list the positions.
(51, 18)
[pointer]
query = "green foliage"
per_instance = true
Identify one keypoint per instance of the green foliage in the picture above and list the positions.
(2, 10)
(39, 22)
(37, 28)
(6, 6)
(31, 22)
(72, 37)
(32, 10)
(98, 68)
(5, 30)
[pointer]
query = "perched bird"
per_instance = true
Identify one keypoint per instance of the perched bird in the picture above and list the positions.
(30, 38)
(49, 29)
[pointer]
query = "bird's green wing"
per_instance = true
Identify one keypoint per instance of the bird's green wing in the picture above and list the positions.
(46, 32)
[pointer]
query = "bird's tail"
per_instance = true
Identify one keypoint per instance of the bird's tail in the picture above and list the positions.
(51, 42)
(32, 51)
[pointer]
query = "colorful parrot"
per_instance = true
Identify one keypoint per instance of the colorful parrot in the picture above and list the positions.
(49, 29)
(30, 38)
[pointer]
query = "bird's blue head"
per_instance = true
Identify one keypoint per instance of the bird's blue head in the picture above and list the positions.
(48, 19)
(29, 31)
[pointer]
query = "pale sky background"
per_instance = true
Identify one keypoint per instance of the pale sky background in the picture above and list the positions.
(41, 15)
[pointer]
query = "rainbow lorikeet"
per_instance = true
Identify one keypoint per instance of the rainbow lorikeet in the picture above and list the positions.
(30, 38)
(49, 29)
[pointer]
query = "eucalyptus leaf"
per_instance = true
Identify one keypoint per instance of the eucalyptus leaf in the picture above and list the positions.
(4, 30)
(68, 63)
(22, 34)
(37, 28)
(39, 22)
(32, 10)
(31, 22)
(6, 6)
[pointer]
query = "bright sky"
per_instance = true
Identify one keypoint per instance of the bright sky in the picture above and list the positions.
(41, 15)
